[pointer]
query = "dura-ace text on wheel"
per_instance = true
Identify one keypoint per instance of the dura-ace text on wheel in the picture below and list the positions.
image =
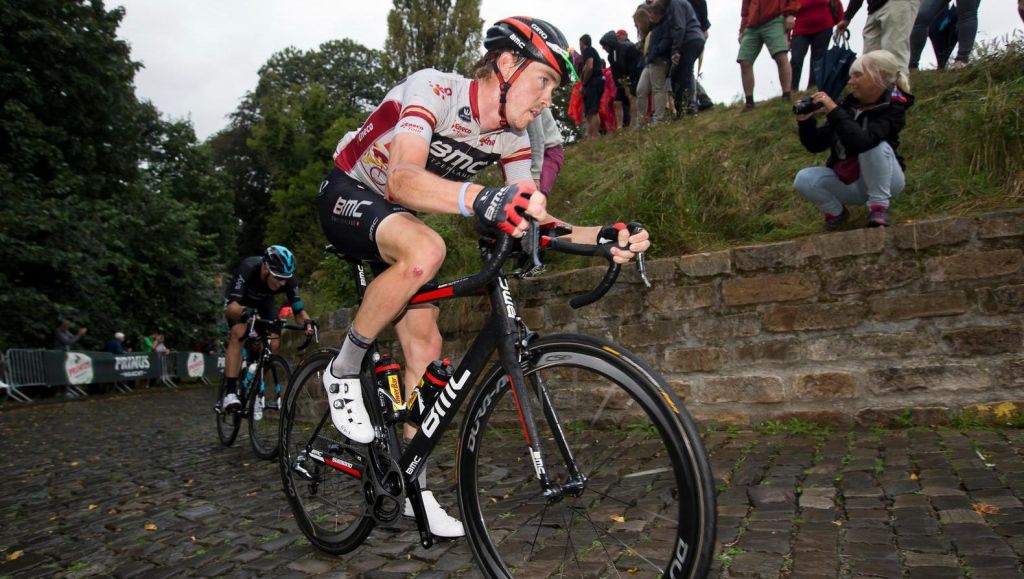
(265, 407)
(318, 469)
(633, 481)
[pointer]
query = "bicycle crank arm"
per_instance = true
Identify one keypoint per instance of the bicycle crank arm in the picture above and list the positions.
(333, 462)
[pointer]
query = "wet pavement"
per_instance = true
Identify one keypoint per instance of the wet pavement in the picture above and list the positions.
(137, 486)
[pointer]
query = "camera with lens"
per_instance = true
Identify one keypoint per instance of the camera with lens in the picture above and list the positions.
(806, 105)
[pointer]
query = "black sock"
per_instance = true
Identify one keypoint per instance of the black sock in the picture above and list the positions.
(750, 99)
(230, 385)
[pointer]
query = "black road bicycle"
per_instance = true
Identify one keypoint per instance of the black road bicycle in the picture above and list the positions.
(264, 377)
(613, 479)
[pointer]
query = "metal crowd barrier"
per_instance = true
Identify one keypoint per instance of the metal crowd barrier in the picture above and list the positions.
(21, 367)
(24, 368)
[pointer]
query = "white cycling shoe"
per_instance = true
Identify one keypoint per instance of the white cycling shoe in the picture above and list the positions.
(441, 523)
(229, 402)
(345, 396)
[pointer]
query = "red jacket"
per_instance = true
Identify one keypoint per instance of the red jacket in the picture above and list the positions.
(756, 12)
(816, 16)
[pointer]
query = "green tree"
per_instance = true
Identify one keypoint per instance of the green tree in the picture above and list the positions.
(100, 200)
(441, 34)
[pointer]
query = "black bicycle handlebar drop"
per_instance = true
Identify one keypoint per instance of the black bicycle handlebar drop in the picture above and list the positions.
(532, 243)
(275, 326)
(474, 283)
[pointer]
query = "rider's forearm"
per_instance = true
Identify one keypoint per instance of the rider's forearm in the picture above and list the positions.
(416, 188)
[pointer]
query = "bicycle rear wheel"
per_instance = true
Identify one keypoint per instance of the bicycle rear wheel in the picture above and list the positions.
(265, 408)
(645, 505)
(228, 422)
(320, 471)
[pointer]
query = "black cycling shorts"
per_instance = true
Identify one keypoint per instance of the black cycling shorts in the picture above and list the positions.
(350, 213)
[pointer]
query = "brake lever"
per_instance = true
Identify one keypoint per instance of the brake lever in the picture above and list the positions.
(531, 243)
(641, 262)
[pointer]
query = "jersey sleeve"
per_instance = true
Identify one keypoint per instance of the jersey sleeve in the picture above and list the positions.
(516, 157)
(236, 291)
(422, 100)
(291, 290)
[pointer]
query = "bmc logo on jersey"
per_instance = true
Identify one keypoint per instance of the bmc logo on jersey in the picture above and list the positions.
(457, 160)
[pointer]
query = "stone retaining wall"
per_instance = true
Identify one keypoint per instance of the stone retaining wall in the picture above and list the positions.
(915, 321)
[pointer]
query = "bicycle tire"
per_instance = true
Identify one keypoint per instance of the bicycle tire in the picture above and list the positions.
(648, 505)
(228, 423)
(264, 427)
(337, 524)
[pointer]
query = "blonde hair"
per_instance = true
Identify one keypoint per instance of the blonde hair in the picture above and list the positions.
(642, 20)
(483, 69)
(882, 67)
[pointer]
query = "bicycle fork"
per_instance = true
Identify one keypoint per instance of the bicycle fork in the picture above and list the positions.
(553, 492)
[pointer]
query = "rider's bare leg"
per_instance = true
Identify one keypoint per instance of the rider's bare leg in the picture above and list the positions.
(415, 253)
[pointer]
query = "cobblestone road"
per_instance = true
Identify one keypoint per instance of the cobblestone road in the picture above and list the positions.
(137, 486)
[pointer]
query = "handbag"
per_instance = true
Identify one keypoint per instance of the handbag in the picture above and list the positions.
(832, 70)
(848, 170)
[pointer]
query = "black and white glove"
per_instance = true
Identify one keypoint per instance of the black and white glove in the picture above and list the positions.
(501, 207)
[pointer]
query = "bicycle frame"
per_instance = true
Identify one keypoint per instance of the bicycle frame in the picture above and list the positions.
(503, 332)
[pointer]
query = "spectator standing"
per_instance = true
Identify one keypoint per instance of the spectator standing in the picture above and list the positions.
(658, 55)
(863, 135)
(159, 346)
(147, 342)
(642, 20)
(546, 151)
(966, 29)
(64, 338)
(765, 23)
(115, 345)
(687, 45)
(813, 29)
(887, 27)
(626, 63)
(592, 77)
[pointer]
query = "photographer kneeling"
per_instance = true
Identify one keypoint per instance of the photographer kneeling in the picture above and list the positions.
(863, 134)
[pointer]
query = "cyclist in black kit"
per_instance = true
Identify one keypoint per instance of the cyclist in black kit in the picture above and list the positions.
(256, 282)
(418, 152)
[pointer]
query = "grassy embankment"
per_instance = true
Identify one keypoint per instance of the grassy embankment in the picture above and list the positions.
(724, 178)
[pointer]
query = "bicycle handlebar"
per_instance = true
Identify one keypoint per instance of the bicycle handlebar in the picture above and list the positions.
(532, 242)
(275, 326)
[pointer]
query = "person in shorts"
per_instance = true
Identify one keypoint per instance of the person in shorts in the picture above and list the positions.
(765, 23)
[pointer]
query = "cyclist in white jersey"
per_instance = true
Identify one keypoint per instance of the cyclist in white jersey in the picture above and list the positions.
(416, 152)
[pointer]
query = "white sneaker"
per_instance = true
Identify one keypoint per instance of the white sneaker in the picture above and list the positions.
(345, 395)
(229, 402)
(441, 523)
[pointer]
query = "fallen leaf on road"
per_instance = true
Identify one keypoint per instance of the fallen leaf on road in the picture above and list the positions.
(250, 494)
(75, 463)
(985, 509)
(618, 518)
(150, 527)
(92, 507)
(15, 555)
(913, 476)
(837, 523)
(193, 538)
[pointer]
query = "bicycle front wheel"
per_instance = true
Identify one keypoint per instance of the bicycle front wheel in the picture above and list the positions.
(320, 471)
(265, 408)
(228, 422)
(637, 494)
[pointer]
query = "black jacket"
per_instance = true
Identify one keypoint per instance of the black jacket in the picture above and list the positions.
(624, 57)
(849, 134)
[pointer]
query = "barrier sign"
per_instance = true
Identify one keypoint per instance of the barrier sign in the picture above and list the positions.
(79, 368)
